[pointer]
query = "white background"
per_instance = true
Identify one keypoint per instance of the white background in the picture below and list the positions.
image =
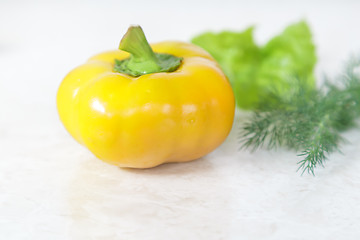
(53, 188)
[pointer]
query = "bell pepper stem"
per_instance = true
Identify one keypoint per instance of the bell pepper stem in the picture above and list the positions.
(142, 59)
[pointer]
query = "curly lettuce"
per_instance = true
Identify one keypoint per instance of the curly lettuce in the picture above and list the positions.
(256, 72)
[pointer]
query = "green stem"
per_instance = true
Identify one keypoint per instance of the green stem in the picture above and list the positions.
(143, 60)
(142, 57)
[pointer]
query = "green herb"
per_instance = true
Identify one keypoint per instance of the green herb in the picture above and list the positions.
(288, 111)
(307, 120)
(254, 71)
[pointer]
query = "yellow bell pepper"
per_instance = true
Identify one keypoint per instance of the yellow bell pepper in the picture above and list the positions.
(143, 109)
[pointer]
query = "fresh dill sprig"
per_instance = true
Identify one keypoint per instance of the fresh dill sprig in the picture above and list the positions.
(307, 120)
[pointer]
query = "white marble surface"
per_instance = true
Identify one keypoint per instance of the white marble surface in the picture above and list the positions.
(52, 188)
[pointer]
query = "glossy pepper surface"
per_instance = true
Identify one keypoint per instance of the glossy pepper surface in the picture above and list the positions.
(146, 120)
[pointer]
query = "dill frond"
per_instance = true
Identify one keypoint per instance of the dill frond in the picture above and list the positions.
(307, 120)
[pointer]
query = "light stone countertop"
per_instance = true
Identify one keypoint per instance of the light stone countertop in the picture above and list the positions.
(53, 188)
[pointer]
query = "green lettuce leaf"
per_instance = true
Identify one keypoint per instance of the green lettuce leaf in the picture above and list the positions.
(257, 72)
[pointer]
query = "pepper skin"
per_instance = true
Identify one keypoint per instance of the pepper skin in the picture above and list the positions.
(142, 122)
